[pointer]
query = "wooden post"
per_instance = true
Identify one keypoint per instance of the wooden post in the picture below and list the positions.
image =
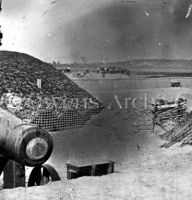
(14, 175)
(39, 85)
(93, 170)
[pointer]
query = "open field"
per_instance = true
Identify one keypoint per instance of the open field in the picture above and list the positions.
(130, 84)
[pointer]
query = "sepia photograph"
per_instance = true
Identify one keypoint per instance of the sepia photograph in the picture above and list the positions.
(95, 99)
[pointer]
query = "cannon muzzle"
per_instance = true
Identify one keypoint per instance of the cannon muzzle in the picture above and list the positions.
(25, 144)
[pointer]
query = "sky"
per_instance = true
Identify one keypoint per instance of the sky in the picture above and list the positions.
(98, 30)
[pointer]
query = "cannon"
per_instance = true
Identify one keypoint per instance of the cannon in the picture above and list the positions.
(23, 144)
(26, 145)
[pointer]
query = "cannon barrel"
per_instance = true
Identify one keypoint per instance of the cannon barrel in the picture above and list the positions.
(24, 143)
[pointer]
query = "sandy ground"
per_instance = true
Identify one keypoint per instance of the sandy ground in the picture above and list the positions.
(148, 173)
(143, 170)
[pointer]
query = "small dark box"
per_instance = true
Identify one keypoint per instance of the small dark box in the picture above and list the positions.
(175, 84)
(89, 169)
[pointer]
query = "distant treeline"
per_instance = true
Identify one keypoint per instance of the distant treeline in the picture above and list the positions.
(137, 66)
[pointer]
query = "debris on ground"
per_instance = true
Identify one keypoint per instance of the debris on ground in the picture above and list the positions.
(175, 113)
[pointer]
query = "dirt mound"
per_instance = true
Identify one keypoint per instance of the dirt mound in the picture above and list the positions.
(21, 95)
